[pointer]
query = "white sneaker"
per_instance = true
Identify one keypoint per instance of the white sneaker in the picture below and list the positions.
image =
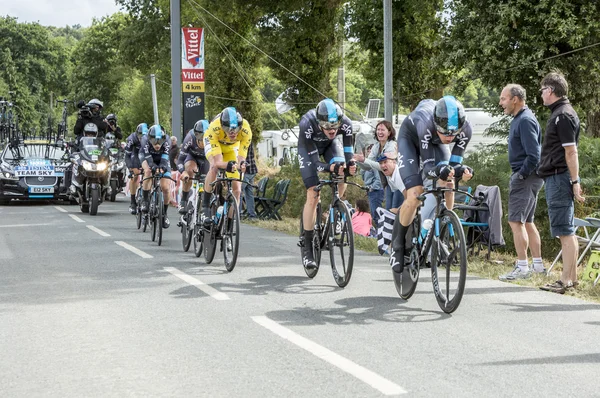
(515, 274)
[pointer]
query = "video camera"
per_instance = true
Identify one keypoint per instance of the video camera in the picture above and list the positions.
(84, 110)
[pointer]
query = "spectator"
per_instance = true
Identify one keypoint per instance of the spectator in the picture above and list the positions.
(247, 189)
(559, 167)
(524, 145)
(361, 219)
(372, 180)
(385, 134)
(173, 153)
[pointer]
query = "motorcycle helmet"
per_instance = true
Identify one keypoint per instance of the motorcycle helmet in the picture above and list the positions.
(156, 135)
(231, 120)
(449, 116)
(95, 106)
(90, 130)
(199, 128)
(329, 114)
(112, 119)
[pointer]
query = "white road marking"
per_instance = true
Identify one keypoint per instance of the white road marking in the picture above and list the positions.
(21, 225)
(214, 293)
(60, 209)
(381, 384)
(74, 217)
(133, 249)
(98, 231)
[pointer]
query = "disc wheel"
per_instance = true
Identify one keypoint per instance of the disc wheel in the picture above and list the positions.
(341, 244)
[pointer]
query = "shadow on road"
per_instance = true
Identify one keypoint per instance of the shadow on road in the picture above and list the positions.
(566, 359)
(357, 311)
(539, 307)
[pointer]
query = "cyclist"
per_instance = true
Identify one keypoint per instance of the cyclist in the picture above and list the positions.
(423, 138)
(132, 160)
(226, 146)
(154, 156)
(191, 160)
(319, 129)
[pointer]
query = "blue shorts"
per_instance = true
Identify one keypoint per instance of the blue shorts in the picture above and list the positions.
(561, 207)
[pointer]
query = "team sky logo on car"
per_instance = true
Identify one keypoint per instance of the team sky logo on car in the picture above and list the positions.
(38, 168)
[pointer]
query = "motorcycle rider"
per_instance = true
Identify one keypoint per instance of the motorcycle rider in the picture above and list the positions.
(89, 130)
(154, 156)
(132, 160)
(90, 113)
(113, 127)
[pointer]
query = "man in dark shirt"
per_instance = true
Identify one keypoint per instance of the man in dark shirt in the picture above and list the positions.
(524, 144)
(559, 167)
(247, 189)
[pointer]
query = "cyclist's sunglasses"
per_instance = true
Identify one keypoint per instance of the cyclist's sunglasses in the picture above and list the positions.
(199, 135)
(231, 131)
(329, 126)
(447, 133)
(157, 141)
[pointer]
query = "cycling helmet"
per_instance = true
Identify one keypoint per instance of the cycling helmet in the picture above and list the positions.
(141, 130)
(199, 128)
(156, 135)
(449, 116)
(90, 130)
(231, 120)
(329, 114)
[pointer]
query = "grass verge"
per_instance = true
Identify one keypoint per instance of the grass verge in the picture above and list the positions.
(497, 265)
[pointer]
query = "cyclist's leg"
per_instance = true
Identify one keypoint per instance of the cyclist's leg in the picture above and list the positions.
(215, 157)
(146, 185)
(311, 180)
(165, 185)
(186, 181)
(411, 177)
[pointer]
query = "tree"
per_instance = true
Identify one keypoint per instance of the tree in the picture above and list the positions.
(512, 41)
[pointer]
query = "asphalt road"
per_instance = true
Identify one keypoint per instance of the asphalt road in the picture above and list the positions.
(89, 306)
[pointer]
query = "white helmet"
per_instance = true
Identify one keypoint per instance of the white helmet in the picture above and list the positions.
(90, 130)
(96, 102)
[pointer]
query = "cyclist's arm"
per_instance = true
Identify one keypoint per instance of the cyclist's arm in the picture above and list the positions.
(145, 149)
(309, 147)
(164, 156)
(246, 138)
(458, 150)
(346, 129)
(427, 149)
(187, 143)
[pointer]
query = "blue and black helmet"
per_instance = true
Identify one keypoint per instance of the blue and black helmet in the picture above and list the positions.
(199, 128)
(449, 116)
(156, 135)
(141, 130)
(329, 114)
(231, 120)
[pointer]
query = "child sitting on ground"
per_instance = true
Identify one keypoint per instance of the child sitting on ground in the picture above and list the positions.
(361, 219)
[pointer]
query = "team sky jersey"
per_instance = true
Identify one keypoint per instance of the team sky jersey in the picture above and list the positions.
(312, 139)
(190, 147)
(158, 158)
(216, 137)
(419, 128)
(132, 149)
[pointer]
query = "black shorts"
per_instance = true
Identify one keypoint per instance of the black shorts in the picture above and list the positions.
(203, 164)
(409, 163)
(135, 161)
(334, 152)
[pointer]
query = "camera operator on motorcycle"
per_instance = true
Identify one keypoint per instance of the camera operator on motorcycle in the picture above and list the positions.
(192, 160)
(154, 156)
(114, 128)
(89, 113)
(133, 162)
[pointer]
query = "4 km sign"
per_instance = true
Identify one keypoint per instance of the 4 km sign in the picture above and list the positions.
(192, 76)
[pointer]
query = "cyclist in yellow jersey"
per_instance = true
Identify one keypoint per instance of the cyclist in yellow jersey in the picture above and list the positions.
(226, 145)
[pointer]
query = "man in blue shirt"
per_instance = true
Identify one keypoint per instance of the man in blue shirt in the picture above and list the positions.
(524, 147)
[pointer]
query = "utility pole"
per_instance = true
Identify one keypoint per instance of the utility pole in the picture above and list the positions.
(176, 68)
(154, 100)
(341, 78)
(387, 60)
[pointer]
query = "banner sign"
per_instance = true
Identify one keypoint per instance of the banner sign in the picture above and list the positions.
(192, 76)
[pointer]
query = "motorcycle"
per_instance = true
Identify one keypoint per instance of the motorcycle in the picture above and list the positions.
(117, 169)
(91, 173)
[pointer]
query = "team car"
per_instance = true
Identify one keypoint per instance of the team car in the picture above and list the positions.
(34, 170)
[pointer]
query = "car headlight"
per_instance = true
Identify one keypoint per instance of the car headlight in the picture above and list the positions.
(9, 176)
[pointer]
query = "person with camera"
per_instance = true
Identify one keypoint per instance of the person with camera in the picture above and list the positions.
(90, 113)
(113, 127)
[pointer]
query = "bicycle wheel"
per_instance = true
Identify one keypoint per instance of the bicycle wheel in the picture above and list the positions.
(311, 273)
(406, 282)
(152, 215)
(210, 235)
(231, 233)
(187, 229)
(198, 230)
(449, 255)
(341, 243)
(160, 216)
(138, 213)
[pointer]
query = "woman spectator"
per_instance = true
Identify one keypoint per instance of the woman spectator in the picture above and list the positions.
(372, 180)
(361, 219)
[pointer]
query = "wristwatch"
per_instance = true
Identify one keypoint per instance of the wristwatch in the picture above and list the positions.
(576, 181)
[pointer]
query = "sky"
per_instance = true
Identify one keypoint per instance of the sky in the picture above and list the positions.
(58, 12)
